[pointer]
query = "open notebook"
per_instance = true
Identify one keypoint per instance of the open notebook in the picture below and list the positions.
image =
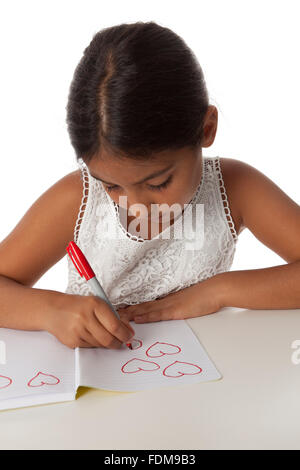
(39, 369)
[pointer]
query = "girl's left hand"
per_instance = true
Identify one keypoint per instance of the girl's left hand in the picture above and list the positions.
(199, 299)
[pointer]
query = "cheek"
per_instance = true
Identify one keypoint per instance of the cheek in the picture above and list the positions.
(180, 192)
(176, 196)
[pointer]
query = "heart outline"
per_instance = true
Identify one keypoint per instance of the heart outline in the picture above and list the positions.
(139, 369)
(163, 353)
(182, 374)
(9, 380)
(42, 383)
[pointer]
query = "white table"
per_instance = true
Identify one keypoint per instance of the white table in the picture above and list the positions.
(255, 406)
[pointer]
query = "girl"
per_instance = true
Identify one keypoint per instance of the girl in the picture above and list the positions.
(138, 116)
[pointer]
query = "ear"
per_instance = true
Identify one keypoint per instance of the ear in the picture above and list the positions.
(210, 126)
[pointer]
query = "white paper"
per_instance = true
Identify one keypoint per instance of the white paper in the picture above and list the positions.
(38, 369)
(167, 353)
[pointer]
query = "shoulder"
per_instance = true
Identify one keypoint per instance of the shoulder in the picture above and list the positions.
(66, 193)
(244, 186)
(66, 196)
(49, 225)
(72, 181)
(263, 207)
(233, 172)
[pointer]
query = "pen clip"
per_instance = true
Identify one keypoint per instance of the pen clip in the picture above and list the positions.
(75, 262)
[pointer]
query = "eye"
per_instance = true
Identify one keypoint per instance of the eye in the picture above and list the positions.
(162, 185)
(111, 188)
(153, 187)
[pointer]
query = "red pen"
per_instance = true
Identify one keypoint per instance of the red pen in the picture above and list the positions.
(83, 267)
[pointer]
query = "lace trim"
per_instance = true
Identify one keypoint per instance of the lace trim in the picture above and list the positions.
(85, 178)
(129, 235)
(138, 238)
(227, 212)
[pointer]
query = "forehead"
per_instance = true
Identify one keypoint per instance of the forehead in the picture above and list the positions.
(112, 168)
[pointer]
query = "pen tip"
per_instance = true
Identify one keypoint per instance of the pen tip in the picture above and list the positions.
(129, 345)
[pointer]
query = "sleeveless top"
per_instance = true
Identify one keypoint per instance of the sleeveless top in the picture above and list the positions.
(132, 271)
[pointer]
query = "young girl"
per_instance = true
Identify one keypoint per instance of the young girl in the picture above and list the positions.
(138, 116)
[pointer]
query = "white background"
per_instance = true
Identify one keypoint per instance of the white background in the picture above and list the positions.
(249, 53)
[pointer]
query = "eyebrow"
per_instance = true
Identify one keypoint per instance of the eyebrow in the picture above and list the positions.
(157, 173)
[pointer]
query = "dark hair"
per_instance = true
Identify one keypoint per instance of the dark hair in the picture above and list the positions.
(137, 90)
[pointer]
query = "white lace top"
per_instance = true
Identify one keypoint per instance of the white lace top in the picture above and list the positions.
(131, 269)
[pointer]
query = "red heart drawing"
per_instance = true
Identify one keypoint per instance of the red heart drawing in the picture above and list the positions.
(180, 368)
(137, 365)
(5, 381)
(41, 379)
(159, 349)
(136, 343)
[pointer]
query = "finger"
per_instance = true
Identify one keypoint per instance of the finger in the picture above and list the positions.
(126, 321)
(114, 329)
(100, 333)
(126, 316)
(84, 344)
(139, 309)
(157, 315)
(89, 338)
(142, 307)
(148, 317)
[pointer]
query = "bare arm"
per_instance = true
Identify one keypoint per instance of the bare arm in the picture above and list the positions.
(274, 219)
(52, 217)
(24, 308)
(262, 289)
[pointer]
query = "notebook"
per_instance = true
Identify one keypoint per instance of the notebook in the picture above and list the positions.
(36, 368)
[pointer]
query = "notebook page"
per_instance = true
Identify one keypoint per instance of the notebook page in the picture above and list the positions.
(38, 369)
(165, 354)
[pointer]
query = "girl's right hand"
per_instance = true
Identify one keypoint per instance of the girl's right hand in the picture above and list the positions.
(85, 322)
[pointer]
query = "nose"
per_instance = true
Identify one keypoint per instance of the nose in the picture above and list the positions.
(133, 206)
(140, 203)
(138, 209)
